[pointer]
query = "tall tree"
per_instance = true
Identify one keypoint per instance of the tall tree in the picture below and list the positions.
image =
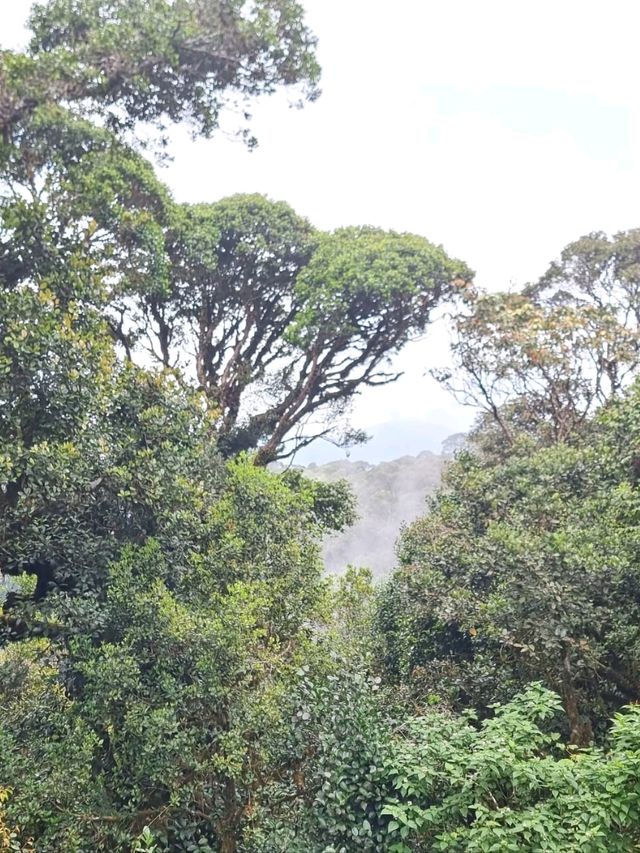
(283, 325)
(538, 367)
(540, 362)
(598, 270)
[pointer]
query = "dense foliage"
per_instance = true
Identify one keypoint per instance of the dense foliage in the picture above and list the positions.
(177, 673)
(135, 61)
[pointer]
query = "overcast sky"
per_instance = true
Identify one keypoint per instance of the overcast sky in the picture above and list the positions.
(500, 129)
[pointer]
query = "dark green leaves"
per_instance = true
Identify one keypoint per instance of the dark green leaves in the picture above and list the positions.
(139, 61)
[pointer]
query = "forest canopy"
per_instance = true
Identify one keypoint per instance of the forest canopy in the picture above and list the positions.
(177, 671)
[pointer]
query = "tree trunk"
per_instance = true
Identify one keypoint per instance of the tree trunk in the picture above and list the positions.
(581, 733)
(227, 828)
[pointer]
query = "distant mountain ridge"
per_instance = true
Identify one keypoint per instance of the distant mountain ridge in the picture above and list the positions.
(389, 495)
(387, 442)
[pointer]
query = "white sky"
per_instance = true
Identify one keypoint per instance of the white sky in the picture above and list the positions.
(501, 129)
